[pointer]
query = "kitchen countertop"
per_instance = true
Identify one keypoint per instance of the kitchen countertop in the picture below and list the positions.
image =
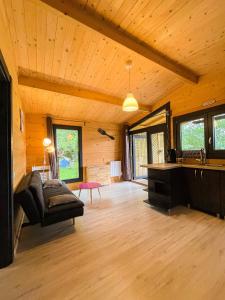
(165, 166)
(169, 166)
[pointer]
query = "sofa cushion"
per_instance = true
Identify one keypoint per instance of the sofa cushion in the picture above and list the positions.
(58, 190)
(52, 183)
(37, 192)
(61, 199)
(67, 207)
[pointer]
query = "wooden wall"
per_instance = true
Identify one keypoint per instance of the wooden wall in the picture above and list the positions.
(19, 152)
(189, 98)
(97, 149)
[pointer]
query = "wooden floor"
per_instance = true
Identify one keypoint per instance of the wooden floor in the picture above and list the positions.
(121, 249)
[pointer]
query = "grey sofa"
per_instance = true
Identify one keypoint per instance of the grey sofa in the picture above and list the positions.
(35, 200)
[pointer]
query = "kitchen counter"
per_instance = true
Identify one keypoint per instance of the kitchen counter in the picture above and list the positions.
(197, 186)
(169, 166)
(165, 166)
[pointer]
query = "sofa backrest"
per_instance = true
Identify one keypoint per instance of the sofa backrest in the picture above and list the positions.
(36, 189)
(24, 197)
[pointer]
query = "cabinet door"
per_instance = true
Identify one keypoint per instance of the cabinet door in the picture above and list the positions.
(193, 188)
(211, 190)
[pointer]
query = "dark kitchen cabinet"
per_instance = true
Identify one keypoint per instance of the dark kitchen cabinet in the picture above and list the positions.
(203, 189)
(166, 188)
(192, 180)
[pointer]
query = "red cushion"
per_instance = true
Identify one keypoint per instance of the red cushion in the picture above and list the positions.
(89, 185)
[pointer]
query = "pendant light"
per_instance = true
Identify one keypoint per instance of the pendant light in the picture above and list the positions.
(130, 103)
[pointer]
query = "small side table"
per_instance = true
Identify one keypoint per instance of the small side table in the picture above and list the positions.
(90, 186)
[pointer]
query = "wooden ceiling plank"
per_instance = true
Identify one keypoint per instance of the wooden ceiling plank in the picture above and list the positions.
(18, 15)
(10, 19)
(39, 82)
(67, 49)
(52, 21)
(95, 64)
(61, 32)
(78, 38)
(111, 31)
(41, 35)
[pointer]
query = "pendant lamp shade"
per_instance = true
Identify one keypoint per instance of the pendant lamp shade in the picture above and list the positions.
(130, 103)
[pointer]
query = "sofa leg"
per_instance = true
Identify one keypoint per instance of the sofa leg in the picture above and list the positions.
(73, 221)
(99, 192)
(91, 195)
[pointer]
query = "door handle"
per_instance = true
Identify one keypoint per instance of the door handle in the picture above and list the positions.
(201, 174)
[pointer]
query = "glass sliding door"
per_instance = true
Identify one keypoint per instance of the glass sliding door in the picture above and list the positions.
(68, 143)
(140, 154)
(157, 147)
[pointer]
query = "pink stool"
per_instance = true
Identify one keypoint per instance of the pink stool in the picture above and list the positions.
(89, 186)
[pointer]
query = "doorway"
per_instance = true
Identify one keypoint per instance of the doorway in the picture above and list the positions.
(140, 155)
(149, 141)
(6, 202)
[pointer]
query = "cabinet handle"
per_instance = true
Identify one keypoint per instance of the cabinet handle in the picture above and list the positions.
(202, 174)
(195, 172)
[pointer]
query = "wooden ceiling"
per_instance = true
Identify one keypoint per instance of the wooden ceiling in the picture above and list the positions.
(74, 108)
(191, 32)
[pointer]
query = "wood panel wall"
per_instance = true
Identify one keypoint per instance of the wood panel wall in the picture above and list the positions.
(19, 147)
(190, 98)
(97, 149)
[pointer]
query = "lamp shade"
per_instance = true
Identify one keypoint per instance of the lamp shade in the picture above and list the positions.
(130, 103)
(46, 142)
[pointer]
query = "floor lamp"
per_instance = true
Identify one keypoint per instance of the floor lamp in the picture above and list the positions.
(47, 149)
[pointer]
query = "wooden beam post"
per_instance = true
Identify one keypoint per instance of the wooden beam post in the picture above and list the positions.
(73, 10)
(52, 84)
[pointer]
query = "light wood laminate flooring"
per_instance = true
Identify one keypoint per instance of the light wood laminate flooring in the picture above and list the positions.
(121, 249)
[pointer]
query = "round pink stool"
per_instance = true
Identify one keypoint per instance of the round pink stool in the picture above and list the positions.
(89, 186)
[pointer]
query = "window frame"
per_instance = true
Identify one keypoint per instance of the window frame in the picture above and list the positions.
(80, 154)
(213, 152)
(207, 115)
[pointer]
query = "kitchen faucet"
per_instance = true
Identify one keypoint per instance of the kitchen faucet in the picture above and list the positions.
(202, 156)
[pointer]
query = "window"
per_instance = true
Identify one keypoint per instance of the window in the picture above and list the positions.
(202, 129)
(218, 122)
(68, 143)
(192, 135)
